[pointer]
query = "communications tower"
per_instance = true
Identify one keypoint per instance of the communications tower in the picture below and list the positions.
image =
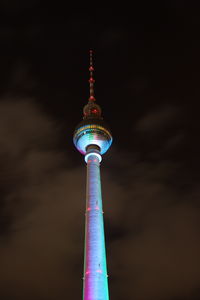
(93, 138)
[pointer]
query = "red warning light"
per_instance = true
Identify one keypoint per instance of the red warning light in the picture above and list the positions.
(92, 98)
(91, 80)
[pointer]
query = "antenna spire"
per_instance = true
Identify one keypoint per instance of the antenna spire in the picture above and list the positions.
(91, 80)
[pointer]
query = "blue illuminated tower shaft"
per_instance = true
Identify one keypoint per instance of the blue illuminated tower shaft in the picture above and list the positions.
(93, 138)
(95, 270)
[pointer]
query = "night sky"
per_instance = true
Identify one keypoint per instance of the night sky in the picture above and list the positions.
(147, 72)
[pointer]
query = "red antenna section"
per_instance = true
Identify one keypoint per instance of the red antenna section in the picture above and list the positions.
(91, 80)
(91, 109)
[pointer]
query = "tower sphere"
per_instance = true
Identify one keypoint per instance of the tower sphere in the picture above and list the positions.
(92, 131)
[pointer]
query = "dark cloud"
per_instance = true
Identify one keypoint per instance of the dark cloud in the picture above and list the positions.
(146, 68)
(157, 120)
(41, 254)
(151, 225)
(158, 256)
(164, 260)
(40, 241)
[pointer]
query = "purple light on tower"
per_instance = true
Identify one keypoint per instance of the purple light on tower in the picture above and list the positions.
(93, 138)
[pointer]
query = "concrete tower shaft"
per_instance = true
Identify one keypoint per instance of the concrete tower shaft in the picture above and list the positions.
(95, 269)
(92, 138)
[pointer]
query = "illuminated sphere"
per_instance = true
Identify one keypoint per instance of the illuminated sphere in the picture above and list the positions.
(92, 131)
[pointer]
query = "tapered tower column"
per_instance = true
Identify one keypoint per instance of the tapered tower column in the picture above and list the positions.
(92, 138)
(95, 270)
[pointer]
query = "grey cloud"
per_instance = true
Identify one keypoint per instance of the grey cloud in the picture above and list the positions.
(164, 257)
(41, 202)
(172, 142)
(41, 253)
(158, 258)
(23, 127)
(155, 121)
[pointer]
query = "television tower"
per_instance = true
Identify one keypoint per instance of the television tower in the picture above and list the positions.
(93, 138)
